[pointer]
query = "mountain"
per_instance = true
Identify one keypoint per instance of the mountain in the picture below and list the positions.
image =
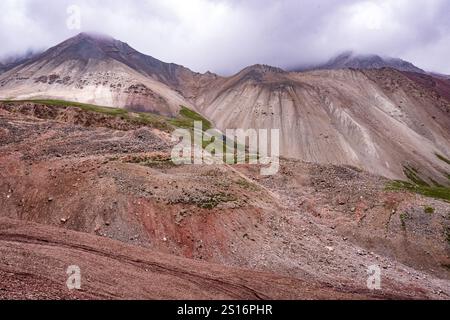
(368, 61)
(69, 169)
(100, 70)
(370, 119)
(371, 116)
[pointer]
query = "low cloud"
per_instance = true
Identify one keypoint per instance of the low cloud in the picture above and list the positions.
(224, 36)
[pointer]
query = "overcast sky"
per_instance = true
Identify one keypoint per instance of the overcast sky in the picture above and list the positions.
(224, 36)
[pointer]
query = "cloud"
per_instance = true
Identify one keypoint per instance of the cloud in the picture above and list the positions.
(226, 35)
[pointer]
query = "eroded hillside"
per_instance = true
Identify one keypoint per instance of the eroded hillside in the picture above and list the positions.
(377, 120)
(322, 225)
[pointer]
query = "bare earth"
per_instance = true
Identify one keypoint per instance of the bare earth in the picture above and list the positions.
(35, 258)
(105, 198)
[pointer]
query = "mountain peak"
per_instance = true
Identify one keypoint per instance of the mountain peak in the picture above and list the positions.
(95, 39)
(92, 42)
(90, 48)
(260, 73)
(263, 69)
(351, 59)
(93, 35)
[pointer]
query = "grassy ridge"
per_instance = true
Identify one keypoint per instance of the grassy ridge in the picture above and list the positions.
(83, 106)
(185, 119)
(420, 186)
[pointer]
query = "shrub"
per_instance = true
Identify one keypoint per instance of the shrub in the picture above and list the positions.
(429, 210)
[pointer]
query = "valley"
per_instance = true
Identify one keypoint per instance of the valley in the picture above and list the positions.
(86, 178)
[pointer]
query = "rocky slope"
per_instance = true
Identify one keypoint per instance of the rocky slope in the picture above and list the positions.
(99, 70)
(378, 120)
(322, 225)
(34, 260)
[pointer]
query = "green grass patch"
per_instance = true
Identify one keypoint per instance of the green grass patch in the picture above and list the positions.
(429, 210)
(154, 121)
(403, 218)
(245, 184)
(420, 186)
(442, 158)
(156, 161)
(206, 200)
(442, 193)
(413, 174)
(187, 118)
(212, 201)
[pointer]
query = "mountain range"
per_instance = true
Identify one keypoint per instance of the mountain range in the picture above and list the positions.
(377, 114)
(350, 59)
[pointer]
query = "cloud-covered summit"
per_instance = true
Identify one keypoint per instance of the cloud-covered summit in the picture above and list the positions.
(226, 35)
